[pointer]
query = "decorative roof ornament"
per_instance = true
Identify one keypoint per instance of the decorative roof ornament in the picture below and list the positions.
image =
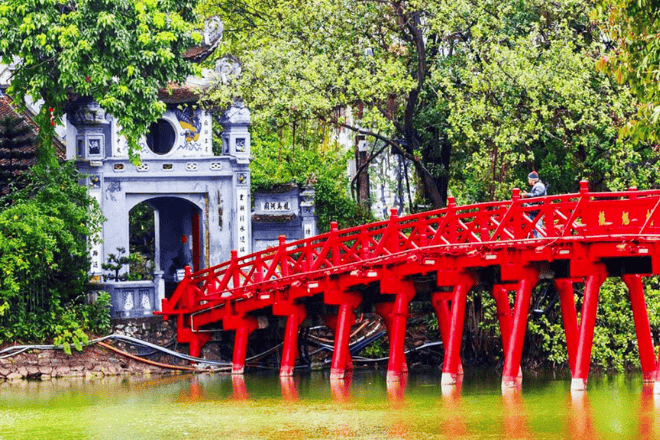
(90, 113)
(228, 68)
(213, 29)
(236, 115)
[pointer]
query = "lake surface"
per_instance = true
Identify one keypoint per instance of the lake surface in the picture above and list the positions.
(260, 406)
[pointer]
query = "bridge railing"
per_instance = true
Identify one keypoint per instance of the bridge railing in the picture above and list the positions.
(568, 216)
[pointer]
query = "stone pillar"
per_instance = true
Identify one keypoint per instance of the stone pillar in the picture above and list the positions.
(307, 212)
(93, 139)
(236, 143)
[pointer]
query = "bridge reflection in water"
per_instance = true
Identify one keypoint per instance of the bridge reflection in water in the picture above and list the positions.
(432, 409)
(306, 406)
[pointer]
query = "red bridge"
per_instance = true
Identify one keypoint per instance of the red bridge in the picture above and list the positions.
(505, 246)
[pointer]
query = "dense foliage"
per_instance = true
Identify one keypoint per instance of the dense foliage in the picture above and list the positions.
(44, 260)
(633, 27)
(313, 160)
(118, 52)
(474, 94)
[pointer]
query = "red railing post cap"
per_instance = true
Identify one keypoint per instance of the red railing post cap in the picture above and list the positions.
(584, 186)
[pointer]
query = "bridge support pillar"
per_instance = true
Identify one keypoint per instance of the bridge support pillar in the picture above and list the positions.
(504, 318)
(569, 317)
(452, 359)
(513, 354)
(341, 325)
(387, 311)
(341, 357)
(290, 349)
(440, 303)
(244, 327)
(194, 340)
(395, 315)
(587, 324)
(642, 327)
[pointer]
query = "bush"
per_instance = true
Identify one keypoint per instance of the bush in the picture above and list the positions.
(44, 258)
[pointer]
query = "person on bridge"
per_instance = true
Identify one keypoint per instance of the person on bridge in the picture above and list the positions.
(538, 190)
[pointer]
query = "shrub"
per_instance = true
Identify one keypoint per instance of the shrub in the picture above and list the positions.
(44, 258)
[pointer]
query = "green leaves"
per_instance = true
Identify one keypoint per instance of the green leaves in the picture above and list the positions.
(44, 256)
(480, 91)
(86, 47)
(633, 27)
(281, 158)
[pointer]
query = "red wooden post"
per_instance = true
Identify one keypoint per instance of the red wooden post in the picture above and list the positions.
(334, 242)
(194, 340)
(453, 350)
(569, 317)
(384, 309)
(587, 324)
(440, 304)
(393, 231)
(504, 317)
(501, 297)
(245, 327)
(451, 212)
(515, 216)
(236, 278)
(341, 355)
(584, 186)
(642, 327)
(513, 354)
(290, 348)
(395, 315)
(189, 292)
(397, 363)
(197, 342)
(364, 244)
(284, 257)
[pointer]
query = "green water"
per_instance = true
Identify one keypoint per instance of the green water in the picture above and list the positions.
(310, 406)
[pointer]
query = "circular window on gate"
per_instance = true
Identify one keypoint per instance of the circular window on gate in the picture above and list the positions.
(161, 137)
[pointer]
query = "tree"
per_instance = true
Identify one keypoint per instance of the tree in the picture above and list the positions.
(473, 93)
(633, 28)
(521, 93)
(119, 52)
